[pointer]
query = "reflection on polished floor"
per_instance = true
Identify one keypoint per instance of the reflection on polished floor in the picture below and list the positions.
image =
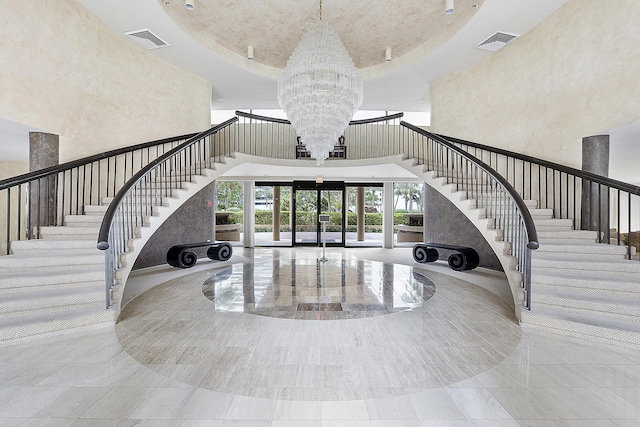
(288, 354)
(299, 285)
(458, 359)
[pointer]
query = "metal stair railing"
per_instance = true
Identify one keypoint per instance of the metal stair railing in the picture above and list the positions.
(144, 191)
(139, 177)
(268, 137)
(484, 184)
(593, 202)
(43, 198)
(275, 138)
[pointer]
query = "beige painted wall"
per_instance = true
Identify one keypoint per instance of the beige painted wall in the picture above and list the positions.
(10, 168)
(574, 75)
(63, 71)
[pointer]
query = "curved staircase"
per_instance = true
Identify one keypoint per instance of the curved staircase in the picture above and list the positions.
(579, 287)
(56, 284)
(584, 289)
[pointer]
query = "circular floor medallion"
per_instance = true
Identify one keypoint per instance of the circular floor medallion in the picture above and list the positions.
(461, 331)
(291, 287)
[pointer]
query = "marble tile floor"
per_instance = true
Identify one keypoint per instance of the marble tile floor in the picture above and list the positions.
(295, 284)
(536, 379)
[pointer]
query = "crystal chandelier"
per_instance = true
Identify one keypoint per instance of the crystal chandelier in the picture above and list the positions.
(320, 89)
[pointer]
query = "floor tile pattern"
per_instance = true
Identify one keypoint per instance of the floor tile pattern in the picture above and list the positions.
(173, 329)
(87, 379)
(298, 285)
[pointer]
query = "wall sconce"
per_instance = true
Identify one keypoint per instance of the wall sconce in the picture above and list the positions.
(387, 55)
(188, 4)
(448, 7)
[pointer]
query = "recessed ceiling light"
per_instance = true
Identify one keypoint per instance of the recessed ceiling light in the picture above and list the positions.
(421, 101)
(221, 99)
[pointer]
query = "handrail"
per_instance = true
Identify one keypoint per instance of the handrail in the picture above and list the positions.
(610, 182)
(43, 173)
(376, 119)
(46, 196)
(262, 118)
(592, 202)
(351, 123)
(103, 234)
(526, 215)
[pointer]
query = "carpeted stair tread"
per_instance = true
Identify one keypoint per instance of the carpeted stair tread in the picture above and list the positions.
(82, 219)
(55, 322)
(70, 229)
(45, 245)
(611, 331)
(71, 274)
(569, 234)
(95, 210)
(569, 263)
(30, 301)
(590, 257)
(594, 248)
(51, 260)
(553, 222)
(587, 279)
(55, 287)
(602, 304)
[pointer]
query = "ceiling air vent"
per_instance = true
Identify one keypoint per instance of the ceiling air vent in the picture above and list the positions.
(146, 39)
(497, 41)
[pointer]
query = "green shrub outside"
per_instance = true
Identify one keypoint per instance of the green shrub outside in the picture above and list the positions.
(264, 217)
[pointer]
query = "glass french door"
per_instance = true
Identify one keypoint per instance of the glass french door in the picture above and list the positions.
(331, 202)
(312, 199)
(306, 217)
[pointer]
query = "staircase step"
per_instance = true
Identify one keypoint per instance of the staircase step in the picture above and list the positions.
(56, 287)
(553, 224)
(150, 210)
(150, 201)
(95, 209)
(567, 236)
(69, 232)
(55, 322)
(594, 249)
(599, 329)
(591, 258)
(38, 246)
(589, 305)
(569, 262)
(59, 259)
(541, 214)
(82, 220)
(30, 301)
(585, 281)
(70, 274)
(498, 204)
